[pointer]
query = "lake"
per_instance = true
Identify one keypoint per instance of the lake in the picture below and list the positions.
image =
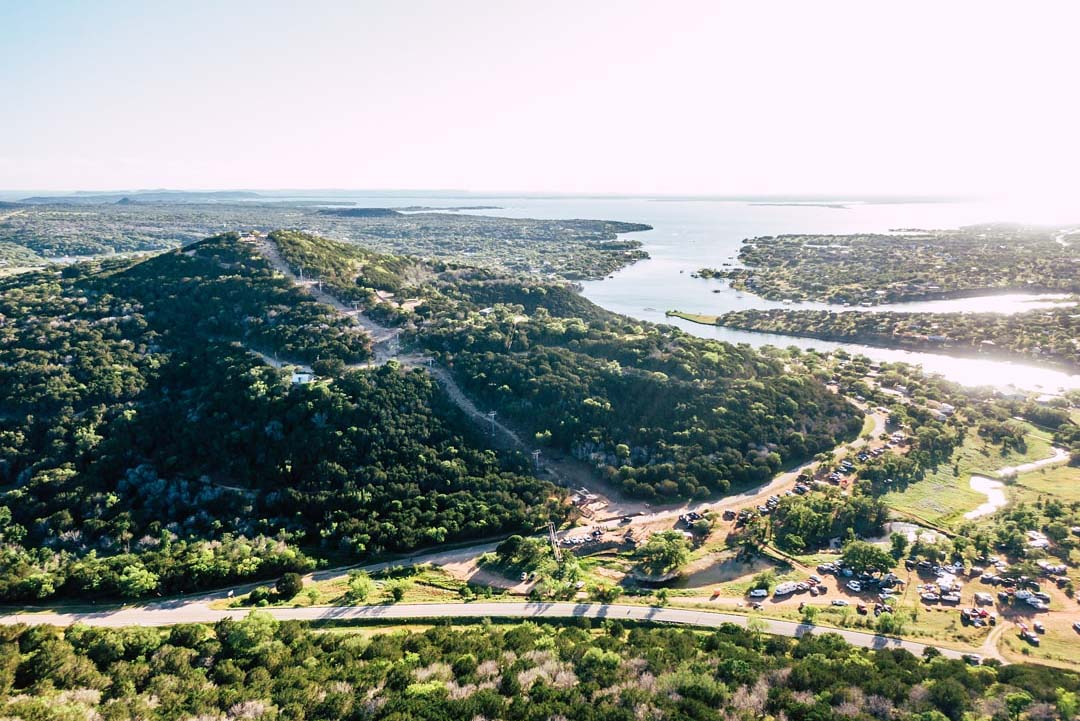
(690, 234)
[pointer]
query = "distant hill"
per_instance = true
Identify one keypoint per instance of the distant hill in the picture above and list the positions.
(145, 196)
(362, 212)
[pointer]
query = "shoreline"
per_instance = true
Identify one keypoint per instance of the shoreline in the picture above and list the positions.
(968, 353)
(737, 280)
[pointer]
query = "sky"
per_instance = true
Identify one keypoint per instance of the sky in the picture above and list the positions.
(620, 96)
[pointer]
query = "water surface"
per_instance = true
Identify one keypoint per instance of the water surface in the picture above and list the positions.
(690, 234)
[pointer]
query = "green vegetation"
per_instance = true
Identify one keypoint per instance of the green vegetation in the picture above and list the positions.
(1049, 336)
(289, 585)
(1059, 482)
(13, 255)
(808, 522)
(865, 557)
(663, 554)
(258, 668)
(105, 225)
(349, 271)
(942, 494)
(908, 265)
(220, 288)
(658, 412)
(143, 450)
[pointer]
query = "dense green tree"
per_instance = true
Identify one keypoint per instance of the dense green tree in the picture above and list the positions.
(862, 557)
(289, 585)
(663, 553)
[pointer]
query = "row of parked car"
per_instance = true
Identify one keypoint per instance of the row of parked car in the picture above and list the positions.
(931, 594)
(769, 506)
(977, 617)
(688, 518)
(1031, 635)
(812, 585)
(1038, 600)
(593, 537)
(863, 580)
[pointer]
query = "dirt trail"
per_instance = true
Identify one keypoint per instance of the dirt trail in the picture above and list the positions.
(380, 335)
(567, 472)
(386, 346)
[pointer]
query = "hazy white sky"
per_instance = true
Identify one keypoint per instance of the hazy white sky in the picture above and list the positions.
(619, 96)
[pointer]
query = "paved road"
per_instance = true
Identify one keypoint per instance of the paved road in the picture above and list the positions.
(162, 615)
(197, 609)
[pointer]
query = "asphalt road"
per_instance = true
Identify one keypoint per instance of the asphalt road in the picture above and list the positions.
(165, 614)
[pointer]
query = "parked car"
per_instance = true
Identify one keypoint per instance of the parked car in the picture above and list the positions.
(839, 602)
(854, 586)
(759, 593)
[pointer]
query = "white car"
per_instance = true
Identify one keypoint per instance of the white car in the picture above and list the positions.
(759, 593)
(839, 602)
(854, 586)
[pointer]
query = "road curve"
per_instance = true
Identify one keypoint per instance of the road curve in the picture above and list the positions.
(169, 614)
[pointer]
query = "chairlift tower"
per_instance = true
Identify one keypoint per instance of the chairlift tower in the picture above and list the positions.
(554, 538)
(536, 459)
(491, 417)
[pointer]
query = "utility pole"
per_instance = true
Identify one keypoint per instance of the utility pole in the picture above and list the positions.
(491, 417)
(554, 538)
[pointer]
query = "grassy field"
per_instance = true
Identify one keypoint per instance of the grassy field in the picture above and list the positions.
(1058, 645)
(1061, 482)
(945, 495)
(426, 585)
(693, 317)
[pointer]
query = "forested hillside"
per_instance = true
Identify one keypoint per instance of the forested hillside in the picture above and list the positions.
(1050, 335)
(258, 668)
(905, 264)
(144, 448)
(659, 412)
(147, 447)
(349, 271)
